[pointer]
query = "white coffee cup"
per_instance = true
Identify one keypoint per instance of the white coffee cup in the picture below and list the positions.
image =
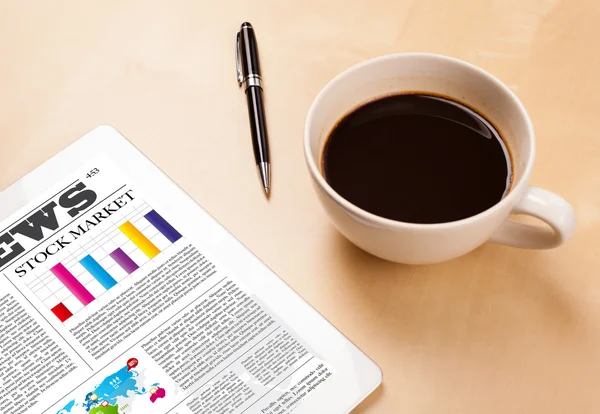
(429, 243)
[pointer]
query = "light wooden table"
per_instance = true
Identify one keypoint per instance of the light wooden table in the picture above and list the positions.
(500, 330)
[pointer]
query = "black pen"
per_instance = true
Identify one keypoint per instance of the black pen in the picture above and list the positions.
(248, 72)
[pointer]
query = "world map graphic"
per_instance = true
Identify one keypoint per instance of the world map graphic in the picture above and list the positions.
(117, 393)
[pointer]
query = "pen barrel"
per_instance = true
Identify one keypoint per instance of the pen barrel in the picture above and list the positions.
(249, 57)
(258, 125)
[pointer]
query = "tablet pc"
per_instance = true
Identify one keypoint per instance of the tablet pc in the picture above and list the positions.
(121, 294)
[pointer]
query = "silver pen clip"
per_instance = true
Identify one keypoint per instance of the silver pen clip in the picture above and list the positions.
(238, 64)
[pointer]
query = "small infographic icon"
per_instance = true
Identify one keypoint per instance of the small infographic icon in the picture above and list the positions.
(131, 363)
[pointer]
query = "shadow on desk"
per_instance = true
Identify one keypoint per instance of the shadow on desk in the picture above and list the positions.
(457, 329)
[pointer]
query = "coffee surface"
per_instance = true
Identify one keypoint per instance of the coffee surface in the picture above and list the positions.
(417, 158)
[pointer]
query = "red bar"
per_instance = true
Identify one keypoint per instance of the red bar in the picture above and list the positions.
(61, 312)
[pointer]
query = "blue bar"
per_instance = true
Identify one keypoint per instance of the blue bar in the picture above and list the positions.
(101, 275)
(163, 226)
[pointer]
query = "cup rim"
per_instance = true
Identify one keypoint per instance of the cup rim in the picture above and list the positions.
(394, 224)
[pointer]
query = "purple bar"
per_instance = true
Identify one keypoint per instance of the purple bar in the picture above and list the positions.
(124, 261)
(74, 285)
(163, 226)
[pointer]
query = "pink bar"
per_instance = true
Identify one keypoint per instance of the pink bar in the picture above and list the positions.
(76, 288)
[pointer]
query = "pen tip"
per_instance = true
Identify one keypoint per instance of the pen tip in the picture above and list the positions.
(264, 172)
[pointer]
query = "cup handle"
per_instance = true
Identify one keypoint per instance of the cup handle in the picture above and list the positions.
(548, 207)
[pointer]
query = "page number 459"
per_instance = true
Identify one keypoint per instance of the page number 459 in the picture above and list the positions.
(92, 172)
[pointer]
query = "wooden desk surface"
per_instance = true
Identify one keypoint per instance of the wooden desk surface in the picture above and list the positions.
(500, 330)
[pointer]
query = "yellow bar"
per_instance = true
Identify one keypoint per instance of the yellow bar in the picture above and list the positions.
(139, 239)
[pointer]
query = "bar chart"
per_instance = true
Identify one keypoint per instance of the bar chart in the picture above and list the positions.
(102, 260)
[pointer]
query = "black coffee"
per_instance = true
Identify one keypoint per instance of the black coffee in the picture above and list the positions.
(417, 158)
